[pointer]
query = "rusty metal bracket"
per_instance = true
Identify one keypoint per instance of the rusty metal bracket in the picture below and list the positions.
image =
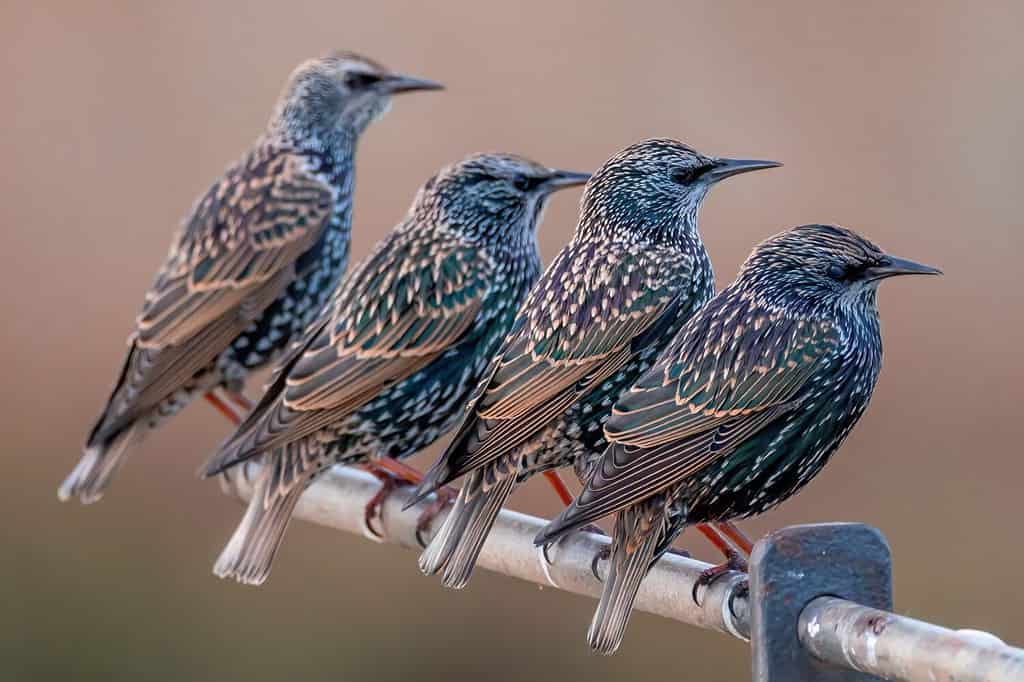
(790, 568)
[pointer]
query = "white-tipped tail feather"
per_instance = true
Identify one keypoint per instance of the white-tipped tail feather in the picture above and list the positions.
(626, 570)
(93, 473)
(249, 554)
(457, 544)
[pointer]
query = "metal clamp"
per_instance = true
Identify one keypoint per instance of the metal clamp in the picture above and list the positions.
(790, 568)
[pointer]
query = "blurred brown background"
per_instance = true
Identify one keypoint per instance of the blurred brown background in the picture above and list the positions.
(901, 120)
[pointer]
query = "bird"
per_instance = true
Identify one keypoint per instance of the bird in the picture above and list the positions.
(252, 264)
(386, 369)
(743, 407)
(635, 268)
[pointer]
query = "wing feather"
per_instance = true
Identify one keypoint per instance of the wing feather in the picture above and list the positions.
(222, 272)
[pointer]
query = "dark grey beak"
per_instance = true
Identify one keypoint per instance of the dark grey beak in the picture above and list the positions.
(891, 266)
(725, 168)
(560, 179)
(399, 83)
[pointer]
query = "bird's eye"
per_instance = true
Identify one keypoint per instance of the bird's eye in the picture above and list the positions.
(356, 81)
(686, 176)
(524, 183)
(836, 271)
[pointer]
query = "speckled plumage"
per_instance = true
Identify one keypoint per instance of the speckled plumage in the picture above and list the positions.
(389, 365)
(742, 409)
(635, 269)
(252, 265)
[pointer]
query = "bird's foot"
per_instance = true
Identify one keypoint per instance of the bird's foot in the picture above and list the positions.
(443, 499)
(389, 482)
(733, 562)
(603, 554)
(393, 475)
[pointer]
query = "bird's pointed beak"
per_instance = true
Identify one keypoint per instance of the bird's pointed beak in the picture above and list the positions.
(401, 83)
(560, 179)
(891, 266)
(726, 168)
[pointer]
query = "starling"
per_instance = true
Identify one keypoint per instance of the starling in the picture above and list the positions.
(634, 270)
(252, 265)
(389, 365)
(742, 409)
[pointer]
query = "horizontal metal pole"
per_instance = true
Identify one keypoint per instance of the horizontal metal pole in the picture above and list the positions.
(338, 499)
(897, 648)
(836, 631)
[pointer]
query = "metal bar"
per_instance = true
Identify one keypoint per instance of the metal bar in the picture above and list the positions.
(338, 498)
(834, 630)
(898, 648)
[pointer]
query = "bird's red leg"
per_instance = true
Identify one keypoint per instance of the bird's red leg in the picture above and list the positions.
(224, 408)
(736, 536)
(723, 535)
(393, 473)
(240, 401)
(234, 406)
(403, 472)
(716, 539)
(560, 488)
(388, 483)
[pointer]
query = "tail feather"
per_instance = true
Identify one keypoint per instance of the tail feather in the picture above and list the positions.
(460, 539)
(627, 568)
(94, 472)
(440, 549)
(249, 554)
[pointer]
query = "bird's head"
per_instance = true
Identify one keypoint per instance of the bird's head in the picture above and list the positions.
(492, 196)
(656, 185)
(341, 92)
(823, 265)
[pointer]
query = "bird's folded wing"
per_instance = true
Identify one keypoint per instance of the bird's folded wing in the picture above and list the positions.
(248, 228)
(734, 370)
(409, 302)
(576, 329)
(232, 259)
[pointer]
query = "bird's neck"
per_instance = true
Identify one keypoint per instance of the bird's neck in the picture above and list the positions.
(674, 229)
(637, 220)
(337, 142)
(858, 314)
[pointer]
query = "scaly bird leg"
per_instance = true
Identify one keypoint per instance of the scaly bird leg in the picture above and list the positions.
(716, 538)
(735, 535)
(234, 406)
(728, 539)
(223, 407)
(240, 401)
(559, 485)
(394, 474)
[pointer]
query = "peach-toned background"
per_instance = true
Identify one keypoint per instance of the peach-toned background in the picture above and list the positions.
(901, 120)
